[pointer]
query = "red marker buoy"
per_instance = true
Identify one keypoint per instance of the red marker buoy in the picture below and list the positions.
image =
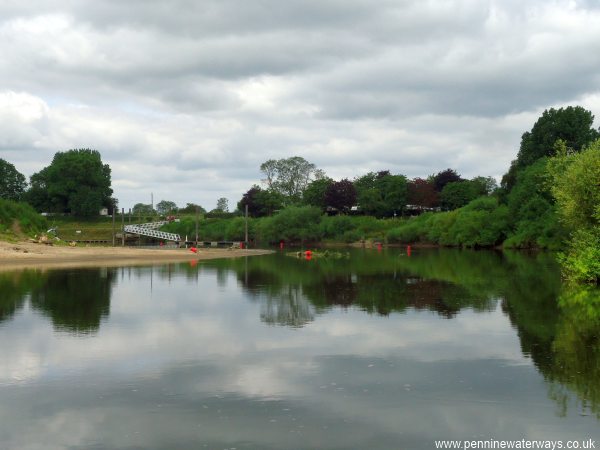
(281, 245)
(193, 249)
(408, 250)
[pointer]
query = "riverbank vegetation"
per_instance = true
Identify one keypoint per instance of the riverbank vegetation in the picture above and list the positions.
(548, 199)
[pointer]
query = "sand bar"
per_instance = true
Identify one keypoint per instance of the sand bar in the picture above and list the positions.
(26, 254)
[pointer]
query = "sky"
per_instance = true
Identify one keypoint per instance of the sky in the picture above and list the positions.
(185, 99)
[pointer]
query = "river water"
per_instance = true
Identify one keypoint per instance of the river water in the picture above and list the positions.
(369, 350)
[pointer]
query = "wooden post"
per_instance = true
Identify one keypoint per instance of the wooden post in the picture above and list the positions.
(122, 227)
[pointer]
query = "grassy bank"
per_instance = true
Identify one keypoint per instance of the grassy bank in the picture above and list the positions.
(18, 219)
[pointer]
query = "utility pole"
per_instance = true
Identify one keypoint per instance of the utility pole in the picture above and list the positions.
(114, 211)
(122, 227)
(197, 213)
(246, 234)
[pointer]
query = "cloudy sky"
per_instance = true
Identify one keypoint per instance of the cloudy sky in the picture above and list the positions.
(185, 99)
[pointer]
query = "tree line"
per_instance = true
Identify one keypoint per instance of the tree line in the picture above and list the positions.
(296, 182)
(76, 182)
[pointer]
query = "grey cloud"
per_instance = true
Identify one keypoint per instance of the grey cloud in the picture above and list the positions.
(191, 97)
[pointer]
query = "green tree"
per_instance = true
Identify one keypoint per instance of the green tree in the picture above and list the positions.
(381, 194)
(533, 218)
(222, 205)
(76, 182)
(190, 208)
(457, 194)
(290, 176)
(165, 207)
(140, 209)
(261, 202)
(314, 194)
(12, 182)
(485, 185)
(572, 124)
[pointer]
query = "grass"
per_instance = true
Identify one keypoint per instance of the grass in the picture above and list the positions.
(92, 229)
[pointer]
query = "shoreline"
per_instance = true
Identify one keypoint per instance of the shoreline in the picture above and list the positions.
(23, 255)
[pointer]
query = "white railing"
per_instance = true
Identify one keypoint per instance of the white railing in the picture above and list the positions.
(151, 230)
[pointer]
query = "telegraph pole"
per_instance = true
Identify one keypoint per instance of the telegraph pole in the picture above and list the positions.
(114, 211)
(122, 227)
(197, 212)
(246, 235)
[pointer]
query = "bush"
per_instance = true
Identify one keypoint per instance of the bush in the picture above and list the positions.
(294, 223)
(411, 230)
(482, 223)
(582, 262)
(335, 227)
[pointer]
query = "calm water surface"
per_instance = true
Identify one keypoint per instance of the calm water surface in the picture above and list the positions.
(376, 351)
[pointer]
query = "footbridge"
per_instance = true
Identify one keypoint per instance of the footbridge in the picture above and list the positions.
(151, 230)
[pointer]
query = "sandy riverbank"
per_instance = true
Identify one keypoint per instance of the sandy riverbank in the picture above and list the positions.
(26, 254)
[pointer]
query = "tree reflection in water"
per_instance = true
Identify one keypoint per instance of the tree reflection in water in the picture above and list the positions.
(75, 300)
(558, 326)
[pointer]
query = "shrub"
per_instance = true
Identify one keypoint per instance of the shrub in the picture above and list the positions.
(294, 223)
(582, 262)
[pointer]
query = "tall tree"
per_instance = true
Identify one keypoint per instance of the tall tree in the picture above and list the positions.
(289, 176)
(573, 125)
(76, 182)
(12, 182)
(190, 208)
(141, 209)
(165, 207)
(222, 205)
(485, 185)
(341, 195)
